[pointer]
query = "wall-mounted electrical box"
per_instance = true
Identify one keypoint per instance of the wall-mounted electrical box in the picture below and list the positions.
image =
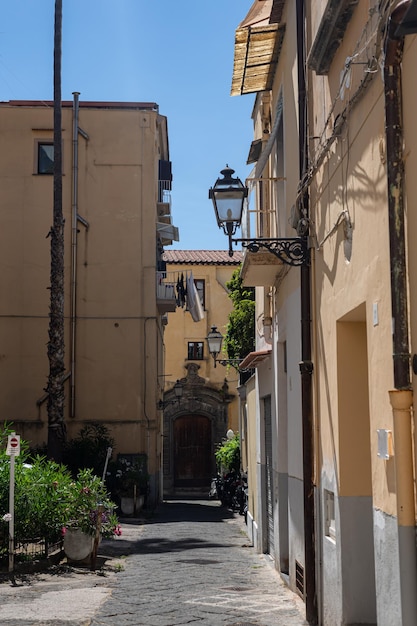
(385, 443)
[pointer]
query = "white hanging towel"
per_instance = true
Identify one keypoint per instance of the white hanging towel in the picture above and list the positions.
(193, 300)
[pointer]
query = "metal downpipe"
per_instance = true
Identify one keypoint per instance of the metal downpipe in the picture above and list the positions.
(402, 397)
(74, 235)
(306, 365)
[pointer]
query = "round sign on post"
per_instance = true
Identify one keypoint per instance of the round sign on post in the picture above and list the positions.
(13, 449)
(13, 445)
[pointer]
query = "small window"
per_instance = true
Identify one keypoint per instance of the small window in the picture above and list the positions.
(45, 158)
(329, 515)
(195, 350)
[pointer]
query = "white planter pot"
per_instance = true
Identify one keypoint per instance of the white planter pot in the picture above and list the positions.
(77, 545)
(129, 505)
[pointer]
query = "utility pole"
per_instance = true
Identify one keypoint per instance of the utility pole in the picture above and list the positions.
(56, 348)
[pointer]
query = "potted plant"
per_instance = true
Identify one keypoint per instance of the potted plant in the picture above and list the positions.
(90, 513)
(129, 482)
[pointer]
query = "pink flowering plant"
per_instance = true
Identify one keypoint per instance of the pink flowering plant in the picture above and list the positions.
(86, 498)
(48, 500)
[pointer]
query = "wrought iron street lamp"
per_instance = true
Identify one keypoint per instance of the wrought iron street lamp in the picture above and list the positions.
(214, 341)
(228, 197)
(178, 390)
(408, 25)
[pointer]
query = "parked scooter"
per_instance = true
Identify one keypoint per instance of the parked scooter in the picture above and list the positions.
(216, 487)
(231, 490)
(241, 495)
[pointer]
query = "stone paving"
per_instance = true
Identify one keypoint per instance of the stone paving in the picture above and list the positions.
(191, 563)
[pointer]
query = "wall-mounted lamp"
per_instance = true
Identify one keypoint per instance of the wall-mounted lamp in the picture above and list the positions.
(408, 25)
(214, 341)
(178, 390)
(228, 197)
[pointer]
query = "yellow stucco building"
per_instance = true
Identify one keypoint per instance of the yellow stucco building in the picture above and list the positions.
(116, 206)
(195, 424)
(330, 439)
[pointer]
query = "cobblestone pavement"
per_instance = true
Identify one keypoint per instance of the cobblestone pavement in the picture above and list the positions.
(191, 563)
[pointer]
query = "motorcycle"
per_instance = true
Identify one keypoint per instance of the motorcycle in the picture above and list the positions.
(216, 488)
(231, 490)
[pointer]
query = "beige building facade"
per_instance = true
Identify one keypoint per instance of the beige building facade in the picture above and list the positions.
(330, 439)
(116, 206)
(208, 407)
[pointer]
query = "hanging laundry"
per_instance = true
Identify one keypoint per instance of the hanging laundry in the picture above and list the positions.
(181, 292)
(194, 305)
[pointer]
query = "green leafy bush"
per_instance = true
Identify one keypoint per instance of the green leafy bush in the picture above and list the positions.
(84, 498)
(228, 454)
(48, 499)
(88, 449)
(240, 332)
(127, 474)
(41, 499)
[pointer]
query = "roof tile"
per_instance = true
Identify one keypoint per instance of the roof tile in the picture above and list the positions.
(202, 257)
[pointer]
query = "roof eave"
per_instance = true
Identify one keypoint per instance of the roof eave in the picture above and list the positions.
(253, 359)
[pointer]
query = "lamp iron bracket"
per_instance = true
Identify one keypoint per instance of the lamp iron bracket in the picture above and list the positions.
(291, 251)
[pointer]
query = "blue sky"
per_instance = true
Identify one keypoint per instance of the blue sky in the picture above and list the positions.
(178, 54)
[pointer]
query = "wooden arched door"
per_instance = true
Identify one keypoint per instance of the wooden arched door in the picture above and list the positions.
(192, 451)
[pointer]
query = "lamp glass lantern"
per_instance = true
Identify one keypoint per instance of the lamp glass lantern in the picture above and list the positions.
(408, 25)
(228, 197)
(214, 341)
(178, 390)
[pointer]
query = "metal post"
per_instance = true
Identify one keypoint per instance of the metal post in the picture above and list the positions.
(11, 512)
(100, 509)
(108, 455)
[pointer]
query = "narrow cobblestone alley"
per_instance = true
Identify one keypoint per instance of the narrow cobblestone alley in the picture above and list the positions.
(191, 563)
(194, 565)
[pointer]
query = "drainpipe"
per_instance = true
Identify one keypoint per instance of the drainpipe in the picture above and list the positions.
(74, 233)
(401, 397)
(306, 365)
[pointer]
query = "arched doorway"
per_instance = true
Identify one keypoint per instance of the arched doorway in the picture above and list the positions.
(192, 451)
(192, 429)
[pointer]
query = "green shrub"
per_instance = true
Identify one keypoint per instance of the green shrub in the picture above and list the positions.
(41, 499)
(240, 333)
(88, 449)
(83, 498)
(228, 455)
(126, 474)
(48, 499)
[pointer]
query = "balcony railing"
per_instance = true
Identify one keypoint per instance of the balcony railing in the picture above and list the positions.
(166, 291)
(164, 195)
